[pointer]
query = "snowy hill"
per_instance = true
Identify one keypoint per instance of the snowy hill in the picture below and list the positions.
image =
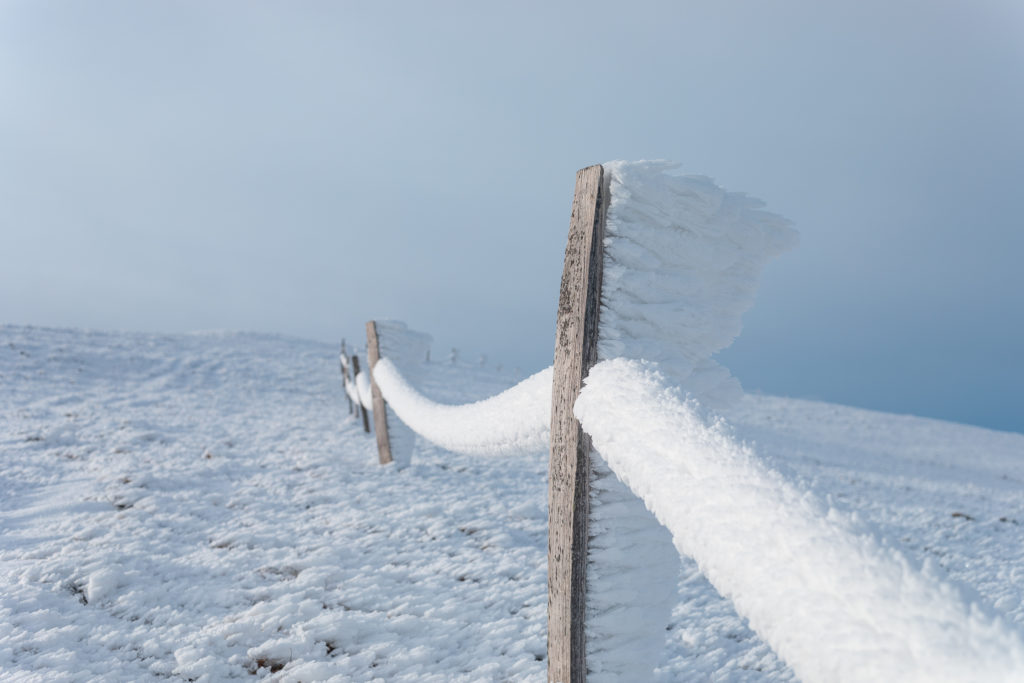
(202, 507)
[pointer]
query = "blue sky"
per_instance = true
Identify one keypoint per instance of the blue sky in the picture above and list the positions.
(303, 167)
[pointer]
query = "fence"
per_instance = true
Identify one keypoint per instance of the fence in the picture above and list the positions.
(645, 251)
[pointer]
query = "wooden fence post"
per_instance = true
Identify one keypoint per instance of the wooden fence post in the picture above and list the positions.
(362, 410)
(579, 303)
(344, 375)
(380, 415)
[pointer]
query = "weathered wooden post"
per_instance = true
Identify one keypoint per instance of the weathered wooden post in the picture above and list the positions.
(362, 410)
(579, 303)
(380, 413)
(343, 361)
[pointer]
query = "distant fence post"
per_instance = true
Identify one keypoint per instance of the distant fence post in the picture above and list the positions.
(579, 303)
(361, 409)
(380, 415)
(344, 374)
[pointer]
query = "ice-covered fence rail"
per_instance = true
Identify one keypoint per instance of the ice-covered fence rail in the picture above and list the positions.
(362, 386)
(512, 422)
(830, 598)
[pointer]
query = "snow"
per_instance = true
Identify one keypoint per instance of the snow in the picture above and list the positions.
(202, 506)
(682, 261)
(795, 567)
(352, 391)
(631, 582)
(515, 421)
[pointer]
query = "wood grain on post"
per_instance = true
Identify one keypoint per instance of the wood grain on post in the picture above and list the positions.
(380, 415)
(362, 410)
(579, 303)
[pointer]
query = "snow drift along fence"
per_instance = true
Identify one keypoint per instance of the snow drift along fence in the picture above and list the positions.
(658, 270)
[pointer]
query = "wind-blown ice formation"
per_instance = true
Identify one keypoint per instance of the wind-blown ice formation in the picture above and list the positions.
(681, 263)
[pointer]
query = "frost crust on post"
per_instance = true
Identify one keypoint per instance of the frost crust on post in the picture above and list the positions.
(682, 258)
(682, 262)
(631, 582)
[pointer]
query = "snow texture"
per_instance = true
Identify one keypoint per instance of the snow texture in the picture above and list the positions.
(631, 582)
(515, 421)
(407, 349)
(829, 597)
(203, 507)
(200, 507)
(681, 261)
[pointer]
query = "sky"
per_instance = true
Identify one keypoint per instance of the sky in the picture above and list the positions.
(301, 168)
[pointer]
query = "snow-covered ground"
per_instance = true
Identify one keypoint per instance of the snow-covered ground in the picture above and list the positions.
(202, 507)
